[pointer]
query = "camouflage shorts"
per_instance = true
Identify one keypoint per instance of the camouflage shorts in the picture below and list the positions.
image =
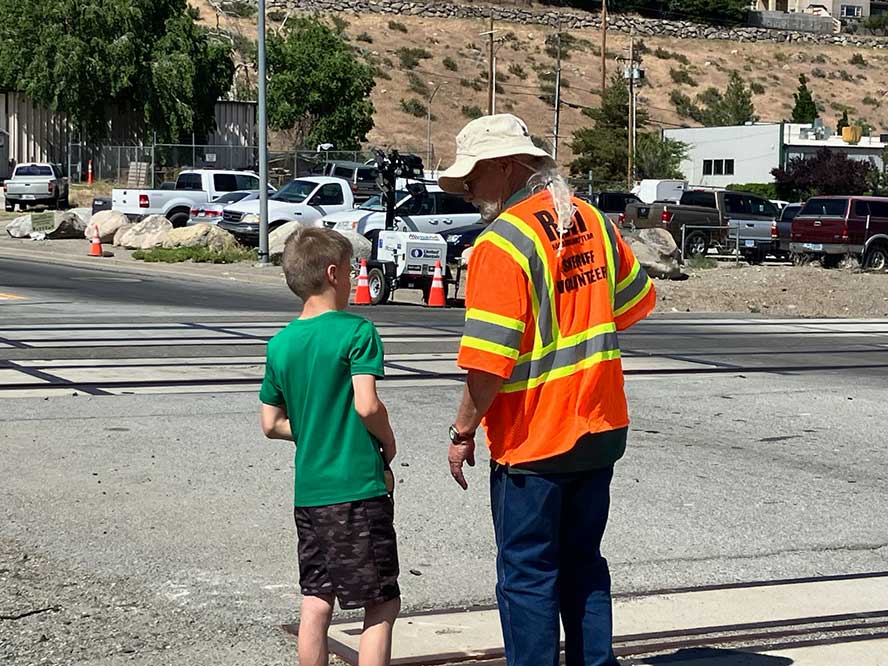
(349, 550)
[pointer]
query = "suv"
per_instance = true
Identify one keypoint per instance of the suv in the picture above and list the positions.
(833, 227)
(361, 177)
(784, 229)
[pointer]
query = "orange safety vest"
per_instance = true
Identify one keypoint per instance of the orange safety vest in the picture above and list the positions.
(546, 322)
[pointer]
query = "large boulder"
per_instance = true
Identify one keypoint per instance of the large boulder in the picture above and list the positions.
(200, 235)
(107, 222)
(657, 252)
(67, 225)
(278, 238)
(84, 214)
(361, 247)
(144, 235)
(20, 227)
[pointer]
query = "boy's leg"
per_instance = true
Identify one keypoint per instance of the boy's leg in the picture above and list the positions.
(376, 640)
(314, 622)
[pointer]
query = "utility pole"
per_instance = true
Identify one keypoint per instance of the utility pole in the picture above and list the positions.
(429, 111)
(263, 142)
(630, 172)
(603, 46)
(491, 74)
(557, 96)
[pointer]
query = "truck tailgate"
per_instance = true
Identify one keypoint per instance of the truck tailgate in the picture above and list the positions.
(36, 186)
(819, 230)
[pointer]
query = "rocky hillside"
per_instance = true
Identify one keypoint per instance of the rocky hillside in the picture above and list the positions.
(451, 53)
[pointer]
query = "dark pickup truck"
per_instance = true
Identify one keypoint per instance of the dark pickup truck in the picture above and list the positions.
(712, 219)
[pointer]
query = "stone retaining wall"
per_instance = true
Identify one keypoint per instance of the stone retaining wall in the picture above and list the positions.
(572, 19)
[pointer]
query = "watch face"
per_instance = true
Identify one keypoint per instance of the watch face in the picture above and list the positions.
(454, 434)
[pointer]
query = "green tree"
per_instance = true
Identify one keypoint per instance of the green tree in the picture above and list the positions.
(603, 148)
(826, 172)
(716, 109)
(843, 122)
(318, 91)
(805, 110)
(658, 157)
(94, 59)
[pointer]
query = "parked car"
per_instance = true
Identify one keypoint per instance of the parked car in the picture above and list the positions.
(305, 200)
(192, 188)
(211, 213)
(361, 177)
(832, 227)
(784, 229)
(612, 204)
(36, 184)
(712, 219)
(651, 191)
(428, 211)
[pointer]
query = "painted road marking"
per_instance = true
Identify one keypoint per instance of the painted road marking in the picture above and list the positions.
(5, 296)
(462, 636)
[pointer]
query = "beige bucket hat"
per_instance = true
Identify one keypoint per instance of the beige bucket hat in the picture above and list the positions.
(487, 138)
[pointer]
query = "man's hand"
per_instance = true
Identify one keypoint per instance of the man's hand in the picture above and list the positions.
(459, 453)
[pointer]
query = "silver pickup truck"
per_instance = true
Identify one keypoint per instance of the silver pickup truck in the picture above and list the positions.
(706, 218)
(36, 184)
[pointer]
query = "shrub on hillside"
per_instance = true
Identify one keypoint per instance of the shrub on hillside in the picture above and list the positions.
(410, 56)
(450, 63)
(474, 84)
(869, 100)
(417, 85)
(365, 37)
(517, 70)
(398, 27)
(414, 107)
(858, 60)
(818, 73)
(757, 88)
(682, 76)
(472, 112)
(663, 54)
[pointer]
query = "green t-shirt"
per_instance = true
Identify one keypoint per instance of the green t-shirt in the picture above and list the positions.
(308, 370)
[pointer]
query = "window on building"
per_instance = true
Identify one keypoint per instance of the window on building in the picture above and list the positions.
(707, 167)
(852, 11)
(729, 167)
(718, 168)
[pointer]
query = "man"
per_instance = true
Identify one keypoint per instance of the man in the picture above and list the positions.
(550, 283)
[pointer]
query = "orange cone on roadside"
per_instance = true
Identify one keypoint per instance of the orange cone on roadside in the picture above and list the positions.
(437, 298)
(95, 245)
(89, 173)
(362, 294)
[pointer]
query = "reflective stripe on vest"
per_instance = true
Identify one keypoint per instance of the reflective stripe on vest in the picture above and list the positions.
(553, 356)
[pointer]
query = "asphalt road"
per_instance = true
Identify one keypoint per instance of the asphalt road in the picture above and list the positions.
(156, 528)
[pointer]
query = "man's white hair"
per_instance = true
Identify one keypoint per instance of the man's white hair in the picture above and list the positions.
(546, 177)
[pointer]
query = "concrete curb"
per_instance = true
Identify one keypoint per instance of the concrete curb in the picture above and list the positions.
(270, 276)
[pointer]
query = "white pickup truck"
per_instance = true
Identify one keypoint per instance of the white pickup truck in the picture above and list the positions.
(34, 185)
(198, 186)
(305, 200)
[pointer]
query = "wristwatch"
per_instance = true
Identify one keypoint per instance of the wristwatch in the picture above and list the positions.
(457, 437)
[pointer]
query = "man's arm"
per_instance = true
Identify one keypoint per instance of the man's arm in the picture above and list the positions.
(374, 414)
(480, 392)
(275, 423)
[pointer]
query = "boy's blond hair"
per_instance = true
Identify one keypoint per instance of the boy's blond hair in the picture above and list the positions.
(307, 254)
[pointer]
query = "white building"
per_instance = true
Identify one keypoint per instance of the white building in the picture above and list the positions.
(835, 8)
(721, 156)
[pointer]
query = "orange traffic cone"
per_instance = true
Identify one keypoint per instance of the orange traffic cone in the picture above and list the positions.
(437, 298)
(89, 173)
(362, 294)
(95, 245)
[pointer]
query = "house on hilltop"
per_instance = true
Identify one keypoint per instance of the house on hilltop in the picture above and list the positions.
(838, 9)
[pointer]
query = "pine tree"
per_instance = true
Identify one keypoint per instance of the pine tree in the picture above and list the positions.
(737, 103)
(843, 122)
(805, 110)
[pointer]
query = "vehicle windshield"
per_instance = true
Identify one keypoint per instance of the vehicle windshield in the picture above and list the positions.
(296, 191)
(790, 212)
(33, 170)
(825, 208)
(376, 204)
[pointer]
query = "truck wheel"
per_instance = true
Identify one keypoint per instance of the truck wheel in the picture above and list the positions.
(696, 244)
(756, 257)
(379, 288)
(831, 260)
(876, 258)
(9, 207)
(179, 218)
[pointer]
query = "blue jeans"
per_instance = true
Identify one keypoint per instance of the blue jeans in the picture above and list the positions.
(548, 536)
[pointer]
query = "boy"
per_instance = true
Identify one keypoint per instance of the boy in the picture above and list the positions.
(320, 392)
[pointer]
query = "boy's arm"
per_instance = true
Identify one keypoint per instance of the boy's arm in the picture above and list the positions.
(275, 423)
(374, 414)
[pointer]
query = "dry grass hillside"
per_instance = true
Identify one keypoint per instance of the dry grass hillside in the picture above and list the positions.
(458, 61)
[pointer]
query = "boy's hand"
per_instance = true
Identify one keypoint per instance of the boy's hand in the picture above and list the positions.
(459, 453)
(389, 481)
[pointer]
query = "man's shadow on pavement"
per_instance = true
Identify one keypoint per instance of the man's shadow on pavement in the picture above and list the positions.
(716, 657)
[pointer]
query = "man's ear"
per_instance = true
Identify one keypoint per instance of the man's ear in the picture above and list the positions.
(332, 274)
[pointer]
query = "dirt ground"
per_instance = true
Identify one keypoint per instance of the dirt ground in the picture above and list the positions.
(777, 290)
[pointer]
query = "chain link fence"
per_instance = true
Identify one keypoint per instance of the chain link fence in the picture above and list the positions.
(149, 166)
